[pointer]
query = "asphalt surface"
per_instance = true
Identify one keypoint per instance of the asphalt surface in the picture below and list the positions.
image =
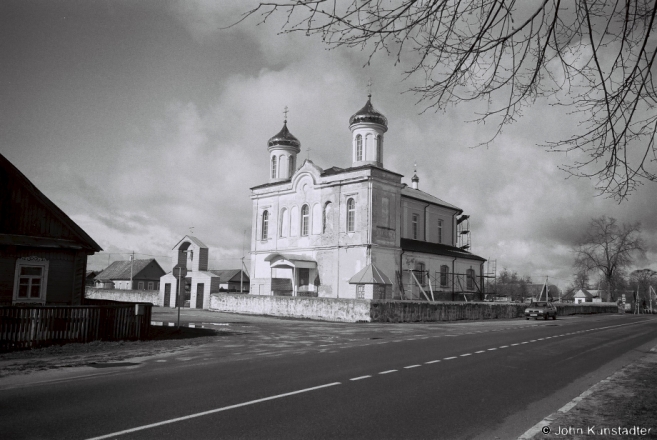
(273, 378)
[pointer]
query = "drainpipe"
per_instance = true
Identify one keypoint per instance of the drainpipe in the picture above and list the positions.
(401, 274)
(425, 222)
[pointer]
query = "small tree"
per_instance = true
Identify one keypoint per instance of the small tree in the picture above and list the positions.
(608, 249)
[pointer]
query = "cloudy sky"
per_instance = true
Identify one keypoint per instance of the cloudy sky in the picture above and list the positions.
(144, 119)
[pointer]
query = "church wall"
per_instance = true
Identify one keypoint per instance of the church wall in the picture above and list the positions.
(428, 215)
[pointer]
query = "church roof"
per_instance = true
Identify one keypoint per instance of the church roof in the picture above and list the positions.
(370, 274)
(437, 249)
(426, 197)
(285, 138)
(368, 114)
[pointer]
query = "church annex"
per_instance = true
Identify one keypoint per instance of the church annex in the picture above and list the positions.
(357, 232)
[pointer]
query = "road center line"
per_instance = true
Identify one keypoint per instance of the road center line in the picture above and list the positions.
(412, 366)
(388, 371)
(432, 362)
(212, 411)
(360, 377)
(491, 349)
(446, 359)
(480, 351)
(467, 354)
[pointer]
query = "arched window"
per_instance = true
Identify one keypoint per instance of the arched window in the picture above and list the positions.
(305, 219)
(470, 277)
(359, 148)
(285, 223)
(265, 225)
(379, 148)
(444, 274)
(351, 215)
(273, 167)
(327, 220)
(283, 170)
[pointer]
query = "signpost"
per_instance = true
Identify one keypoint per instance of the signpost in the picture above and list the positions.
(179, 271)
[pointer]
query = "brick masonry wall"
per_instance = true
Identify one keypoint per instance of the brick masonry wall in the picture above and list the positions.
(323, 309)
(134, 296)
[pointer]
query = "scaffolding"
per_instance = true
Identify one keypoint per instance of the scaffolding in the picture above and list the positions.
(422, 285)
(463, 232)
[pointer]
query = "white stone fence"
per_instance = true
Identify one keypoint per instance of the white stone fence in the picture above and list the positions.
(131, 296)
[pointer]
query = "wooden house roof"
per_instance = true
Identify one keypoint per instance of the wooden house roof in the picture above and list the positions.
(120, 270)
(34, 220)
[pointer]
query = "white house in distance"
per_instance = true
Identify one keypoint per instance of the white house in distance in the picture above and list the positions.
(199, 282)
(357, 232)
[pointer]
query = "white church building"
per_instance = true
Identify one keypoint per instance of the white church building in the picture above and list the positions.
(357, 232)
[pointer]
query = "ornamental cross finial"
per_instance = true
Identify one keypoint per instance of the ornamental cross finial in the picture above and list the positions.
(285, 112)
(369, 87)
(415, 167)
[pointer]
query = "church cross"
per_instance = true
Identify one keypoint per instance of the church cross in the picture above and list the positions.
(369, 87)
(285, 112)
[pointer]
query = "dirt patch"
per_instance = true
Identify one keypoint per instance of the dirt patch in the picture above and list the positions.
(161, 340)
(626, 400)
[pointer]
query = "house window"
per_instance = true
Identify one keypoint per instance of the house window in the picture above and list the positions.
(150, 285)
(416, 218)
(470, 277)
(31, 279)
(273, 167)
(360, 291)
(419, 272)
(265, 224)
(140, 285)
(305, 219)
(351, 215)
(359, 148)
(444, 274)
(440, 231)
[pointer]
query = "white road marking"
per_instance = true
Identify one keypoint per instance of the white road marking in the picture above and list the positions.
(412, 366)
(480, 351)
(360, 377)
(388, 371)
(513, 345)
(467, 354)
(212, 411)
(432, 362)
(504, 346)
(446, 359)
(491, 349)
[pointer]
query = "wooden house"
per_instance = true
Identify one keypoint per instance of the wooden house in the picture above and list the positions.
(43, 253)
(131, 275)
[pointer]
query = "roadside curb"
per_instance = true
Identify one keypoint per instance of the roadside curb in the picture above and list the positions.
(537, 429)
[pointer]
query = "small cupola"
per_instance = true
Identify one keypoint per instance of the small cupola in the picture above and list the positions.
(415, 182)
(367, 128)
(283, 149)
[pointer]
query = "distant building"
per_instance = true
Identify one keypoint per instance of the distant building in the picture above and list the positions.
(199, 282)
(356, 232)
(585, 295)
(145, 275)
(233, 280)
(43, 253)
(91, 277)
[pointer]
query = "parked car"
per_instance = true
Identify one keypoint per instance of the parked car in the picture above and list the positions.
(541, 310)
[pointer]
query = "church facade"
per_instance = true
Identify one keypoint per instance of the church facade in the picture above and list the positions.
(355, 232)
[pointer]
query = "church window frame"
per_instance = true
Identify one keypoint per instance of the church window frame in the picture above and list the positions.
(264, 233)
(359, 148)
(470, 278)
(420, 270)
(415, 220)
(273, 167)
(351, 214)
(444, 275)
(305, 220)
(440, 231)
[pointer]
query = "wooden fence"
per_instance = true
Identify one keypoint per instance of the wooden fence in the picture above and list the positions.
(37, 326)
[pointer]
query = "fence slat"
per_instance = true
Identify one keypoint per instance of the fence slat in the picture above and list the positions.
(36, 326)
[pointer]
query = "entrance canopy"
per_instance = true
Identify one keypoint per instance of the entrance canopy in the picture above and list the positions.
(289, 260)
(370, 275)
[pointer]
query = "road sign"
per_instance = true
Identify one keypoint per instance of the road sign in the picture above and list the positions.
(623, 296)
(179, 271)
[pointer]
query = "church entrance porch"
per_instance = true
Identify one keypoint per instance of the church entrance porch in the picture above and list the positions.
(293, 275)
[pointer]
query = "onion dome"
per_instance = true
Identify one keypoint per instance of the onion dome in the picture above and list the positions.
(368, 114)
(284, 138)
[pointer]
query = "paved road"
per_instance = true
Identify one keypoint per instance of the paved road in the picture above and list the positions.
(341, 381)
